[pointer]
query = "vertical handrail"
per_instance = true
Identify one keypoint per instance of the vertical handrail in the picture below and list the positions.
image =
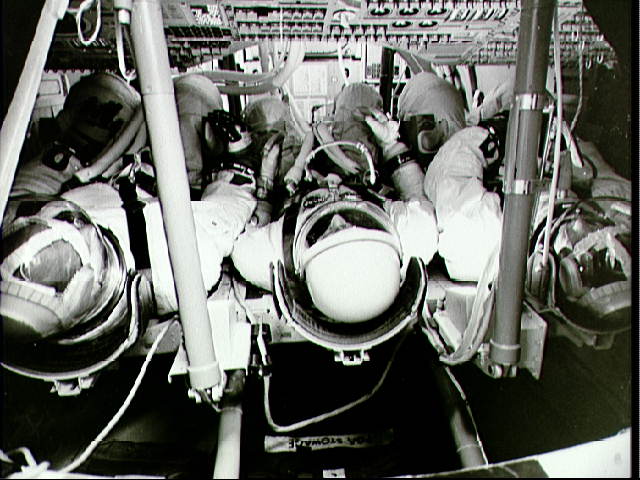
(523, 135)
(156, 85)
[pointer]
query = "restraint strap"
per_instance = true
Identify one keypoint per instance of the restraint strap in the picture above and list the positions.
(136, 223)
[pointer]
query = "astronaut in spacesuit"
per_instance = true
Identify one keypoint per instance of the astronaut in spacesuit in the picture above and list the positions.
(433, 126)
(62, 253)
(342, 243)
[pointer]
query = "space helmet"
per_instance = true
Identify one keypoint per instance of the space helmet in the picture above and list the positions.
(591, 261)
(341, 283)
(65, 293)
(594, 277)
(95, 110)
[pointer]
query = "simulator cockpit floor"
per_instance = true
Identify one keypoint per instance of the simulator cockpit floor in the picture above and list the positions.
(317, 239)
(402, 429)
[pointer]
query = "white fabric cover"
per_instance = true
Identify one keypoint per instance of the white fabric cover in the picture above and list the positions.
(102, 202)
(469, 217)
(219, 218)
(417, 230)
(34, 177)
(256, 249)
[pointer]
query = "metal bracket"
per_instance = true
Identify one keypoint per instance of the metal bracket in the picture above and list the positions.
(531, 101)
(73, 387)
(524, 187)
(357, 357)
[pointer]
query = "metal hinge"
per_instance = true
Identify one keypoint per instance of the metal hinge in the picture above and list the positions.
(355, 357)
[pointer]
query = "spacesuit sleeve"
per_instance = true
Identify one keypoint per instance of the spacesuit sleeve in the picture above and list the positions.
(416, 227)
(607, 183)
(219, 218)
(255, 251)
(469, 218)
(34, 177)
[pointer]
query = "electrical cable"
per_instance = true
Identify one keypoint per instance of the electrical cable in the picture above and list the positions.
(580, 88)
(325, 416)
(361, 147)
(252, 319)
(127, 75)
(558, 138)
(206, 397)
(78, 12)
(80, 459)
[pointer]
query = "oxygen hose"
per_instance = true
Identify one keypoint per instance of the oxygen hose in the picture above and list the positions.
(463, 427)
(558, 140)
(233, 76)
(337, 156)
(227, 463)
(360, 147)
(294, 59)
(480, 317)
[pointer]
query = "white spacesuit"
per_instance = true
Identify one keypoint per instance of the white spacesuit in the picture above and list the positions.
(351, 246)
(469, 218)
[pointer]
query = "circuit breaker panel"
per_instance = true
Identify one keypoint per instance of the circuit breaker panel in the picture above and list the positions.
(442, 31)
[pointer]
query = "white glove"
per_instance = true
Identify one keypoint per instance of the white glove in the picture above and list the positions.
(384, 130)
(386, 133)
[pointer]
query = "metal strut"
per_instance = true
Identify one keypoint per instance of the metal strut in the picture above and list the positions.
(523, 134)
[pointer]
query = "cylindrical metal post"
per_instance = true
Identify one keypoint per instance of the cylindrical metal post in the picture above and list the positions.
(230, 428)
(156, 84)
(228, 451)
(523, 134)
(16, 122)
(386, 78)
(463, 429)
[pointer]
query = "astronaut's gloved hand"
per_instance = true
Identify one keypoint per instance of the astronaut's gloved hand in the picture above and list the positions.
(385, 131)
(262, 214)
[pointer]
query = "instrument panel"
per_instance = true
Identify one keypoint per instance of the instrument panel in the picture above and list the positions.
(479, 32)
